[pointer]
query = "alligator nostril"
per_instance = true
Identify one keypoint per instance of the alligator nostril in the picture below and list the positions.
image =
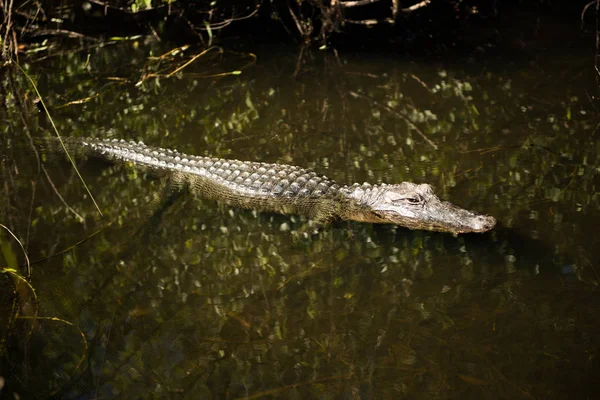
(488, 222)
(484, 223)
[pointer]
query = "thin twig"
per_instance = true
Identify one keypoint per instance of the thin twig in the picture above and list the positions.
(79, 217)
(368, 21)
(110, 326)
(395, 8)
(357, 3)
(22, 248)
(73, 246)
(586, 7)
(192, 60)
(63, 32)
(36, 302)
(154, 33)
(416, 6)
(220, 25)
(298, 26)
(399, 115)
(83, 339)
(58, 135)
(171, 53)
(29, 216)
(597, 36)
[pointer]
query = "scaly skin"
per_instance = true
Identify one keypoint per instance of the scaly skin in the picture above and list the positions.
(293, 190)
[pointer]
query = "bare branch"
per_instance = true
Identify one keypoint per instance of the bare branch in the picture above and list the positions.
(591, 3)
(368, 21)
(357, 3)
(298, 25)
(223, 24)
(416, 6)
(64, 32)
(106, 5)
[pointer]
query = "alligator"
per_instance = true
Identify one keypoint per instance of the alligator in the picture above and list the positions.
(288, 189)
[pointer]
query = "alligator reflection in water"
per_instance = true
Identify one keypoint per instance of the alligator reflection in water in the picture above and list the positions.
(293, 190)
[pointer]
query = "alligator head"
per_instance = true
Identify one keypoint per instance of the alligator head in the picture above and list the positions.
(415, 207)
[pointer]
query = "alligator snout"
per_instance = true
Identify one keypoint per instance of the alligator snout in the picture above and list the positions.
(483, 223)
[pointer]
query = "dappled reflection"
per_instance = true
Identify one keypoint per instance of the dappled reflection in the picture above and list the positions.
(183, 296)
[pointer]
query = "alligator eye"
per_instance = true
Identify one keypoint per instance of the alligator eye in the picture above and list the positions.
(412, 200)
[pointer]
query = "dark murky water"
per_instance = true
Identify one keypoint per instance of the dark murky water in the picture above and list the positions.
(204, 301)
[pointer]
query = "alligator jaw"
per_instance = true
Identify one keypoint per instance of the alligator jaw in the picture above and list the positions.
(442, 216)
(416, 207)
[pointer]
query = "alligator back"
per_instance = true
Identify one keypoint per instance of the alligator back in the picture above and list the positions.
(278, 188)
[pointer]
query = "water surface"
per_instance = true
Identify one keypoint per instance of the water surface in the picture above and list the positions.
(181, 297)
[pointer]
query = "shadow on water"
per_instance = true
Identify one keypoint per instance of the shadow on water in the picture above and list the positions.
(201, 300)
